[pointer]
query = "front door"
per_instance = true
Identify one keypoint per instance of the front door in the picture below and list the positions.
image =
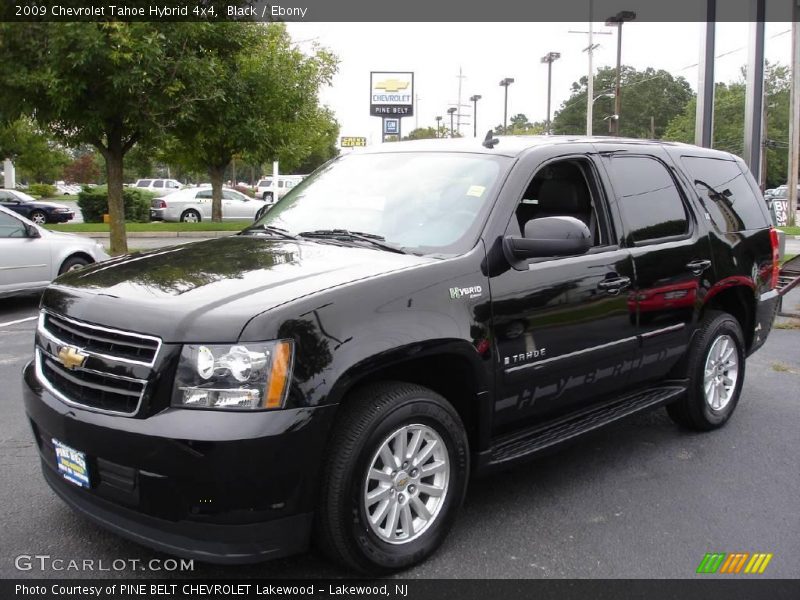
(564, 327)
(24, 261)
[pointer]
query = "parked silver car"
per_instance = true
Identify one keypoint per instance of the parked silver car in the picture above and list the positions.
(193, 205)
(31, 256)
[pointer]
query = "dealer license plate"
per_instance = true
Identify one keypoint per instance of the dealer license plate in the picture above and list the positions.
(71, 464)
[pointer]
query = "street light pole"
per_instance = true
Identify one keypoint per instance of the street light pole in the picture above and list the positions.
(474, 99)
(438, 123)
(617, 20)
(451, 111)
(505, 83)
(549, 58)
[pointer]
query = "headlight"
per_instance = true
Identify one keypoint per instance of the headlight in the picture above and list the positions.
(249, 376)
(61, 210)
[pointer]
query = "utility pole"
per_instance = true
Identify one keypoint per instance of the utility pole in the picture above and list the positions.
(590, 79)
(618, 20)
(754, 87)
(461, 78)
(549, 59)
(416, 112)
(794, 119)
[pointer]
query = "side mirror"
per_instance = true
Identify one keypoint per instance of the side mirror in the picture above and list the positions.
(32, 232)
(551, 236)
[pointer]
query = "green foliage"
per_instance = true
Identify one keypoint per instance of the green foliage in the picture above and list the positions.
(263, 106)
(519, 125)
(35, 156)
(422, 133)
(93, 203)
(645, 94)
(42, 190)
(729, 101)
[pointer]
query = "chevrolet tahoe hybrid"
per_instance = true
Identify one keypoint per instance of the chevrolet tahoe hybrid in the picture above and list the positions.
(407, 316)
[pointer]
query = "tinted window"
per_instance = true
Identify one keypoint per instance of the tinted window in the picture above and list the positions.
(265, 183)
(650, 204)
(203, 194)
(726, 193)
(143, 183)
(158, 183)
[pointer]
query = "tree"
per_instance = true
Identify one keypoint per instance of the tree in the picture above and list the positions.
(110, 84)
(519, 125)
(265, 107)
(645, 94)
(82, 169)
(35, 156)
(422, 133)
(729, 101)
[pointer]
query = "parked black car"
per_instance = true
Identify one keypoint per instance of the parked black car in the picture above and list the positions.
(407, 316)
(37, 211)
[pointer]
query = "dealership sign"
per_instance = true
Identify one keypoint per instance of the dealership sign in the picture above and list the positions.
(353, 142)
(391, 94)
(391, 126)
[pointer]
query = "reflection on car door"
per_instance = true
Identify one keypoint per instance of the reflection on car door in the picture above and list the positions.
(24, 262)
(234, 207)
(562, 326)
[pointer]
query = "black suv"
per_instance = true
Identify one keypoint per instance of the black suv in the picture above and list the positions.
(407, 316)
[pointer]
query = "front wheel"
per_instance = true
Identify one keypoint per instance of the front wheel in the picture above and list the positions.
(715, 369)
(394, 478)
(267, 197)
(73, 264)
(39, 217)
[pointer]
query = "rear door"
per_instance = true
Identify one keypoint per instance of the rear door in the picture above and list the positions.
(671, 255)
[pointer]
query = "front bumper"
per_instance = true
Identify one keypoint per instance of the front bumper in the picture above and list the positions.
(217, 487)
(61, 217)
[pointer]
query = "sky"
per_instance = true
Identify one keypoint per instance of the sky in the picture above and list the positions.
(488, 52)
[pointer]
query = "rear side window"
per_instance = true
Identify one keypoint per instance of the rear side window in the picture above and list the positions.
(726, 193)
(649, 201)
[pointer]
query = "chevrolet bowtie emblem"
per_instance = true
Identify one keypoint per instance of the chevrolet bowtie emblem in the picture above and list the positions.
(391, 85)
(71, 357)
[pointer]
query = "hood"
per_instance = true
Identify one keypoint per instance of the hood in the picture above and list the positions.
(207, 291)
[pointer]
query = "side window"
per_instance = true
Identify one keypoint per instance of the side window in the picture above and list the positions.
(158, 183)
(565, 188)
(725, 193)
(5, 197)
(203, 195)
(11, 227)
(650, 203)
(229, 195)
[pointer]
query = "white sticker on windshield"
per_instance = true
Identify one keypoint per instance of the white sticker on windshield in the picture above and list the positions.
(476, 190)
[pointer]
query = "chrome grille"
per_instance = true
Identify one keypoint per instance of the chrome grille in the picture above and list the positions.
(111, 343)
(104, 381)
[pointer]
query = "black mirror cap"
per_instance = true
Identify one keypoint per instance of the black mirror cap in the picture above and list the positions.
(32, 232)
(552, 236)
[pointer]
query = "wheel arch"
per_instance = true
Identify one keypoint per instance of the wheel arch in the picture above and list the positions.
(739, 301)
(75, 254)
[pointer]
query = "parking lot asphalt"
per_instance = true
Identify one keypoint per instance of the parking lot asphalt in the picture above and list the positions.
(642, 499)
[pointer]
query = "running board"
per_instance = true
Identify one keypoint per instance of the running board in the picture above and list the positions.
(531, 441)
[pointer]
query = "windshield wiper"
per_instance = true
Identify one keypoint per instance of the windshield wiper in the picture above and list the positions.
(270, 229)
(346, 235)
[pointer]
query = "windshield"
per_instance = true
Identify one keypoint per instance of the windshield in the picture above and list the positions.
(421, 202)
(25, 197)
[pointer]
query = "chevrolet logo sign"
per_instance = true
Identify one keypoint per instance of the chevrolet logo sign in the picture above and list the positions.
(71, 357)
(391, 85)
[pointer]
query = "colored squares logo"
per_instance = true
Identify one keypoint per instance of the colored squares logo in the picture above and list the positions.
(734, 563)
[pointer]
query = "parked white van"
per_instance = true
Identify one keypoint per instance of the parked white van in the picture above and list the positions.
(272, 189)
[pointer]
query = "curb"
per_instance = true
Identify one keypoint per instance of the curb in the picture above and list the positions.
(99, 235)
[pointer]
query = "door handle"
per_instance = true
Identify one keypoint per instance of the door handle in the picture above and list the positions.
(614, 285)
(698, 266)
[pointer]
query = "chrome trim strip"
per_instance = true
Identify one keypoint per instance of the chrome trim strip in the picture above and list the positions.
(655, 332)
(94, 372)
(49, 386)
(539, 363)
(44, 331)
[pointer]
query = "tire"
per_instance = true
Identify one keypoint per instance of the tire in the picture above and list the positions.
(38, 216)
(190, 216)
(261, 212)
(73, 263)
(369, 419)
(719, 337)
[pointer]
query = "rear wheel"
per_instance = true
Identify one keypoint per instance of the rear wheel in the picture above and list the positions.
(38, 216)
(190, 216)
(715, 369)
(73, 263)
(394, 478)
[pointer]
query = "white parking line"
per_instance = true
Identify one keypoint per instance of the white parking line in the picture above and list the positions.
(6, 324)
